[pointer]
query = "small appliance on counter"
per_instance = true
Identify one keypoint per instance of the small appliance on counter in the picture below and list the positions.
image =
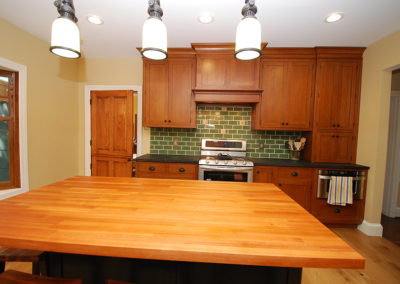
(225, 160)
(295, 147)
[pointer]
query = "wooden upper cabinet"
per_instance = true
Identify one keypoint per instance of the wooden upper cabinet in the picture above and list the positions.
(337, 93)
(334, 147)
(155, 98)
(181, 106)
(287, 98)
(168, 99)
(225, 72)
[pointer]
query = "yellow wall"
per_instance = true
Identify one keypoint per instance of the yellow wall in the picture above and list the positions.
(106, 71)
(379, 60)
(52, 105)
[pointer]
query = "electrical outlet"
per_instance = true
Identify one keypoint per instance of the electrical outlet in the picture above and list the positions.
(261, 145)
(223, 131)
(242, 122)
(175, 142)
(205, 121)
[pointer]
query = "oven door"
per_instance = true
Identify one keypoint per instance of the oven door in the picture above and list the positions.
(226, 173)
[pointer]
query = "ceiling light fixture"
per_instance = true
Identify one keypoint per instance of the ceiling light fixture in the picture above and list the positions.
(206, 18)
(65, 38)
(334, 17)
(95, 20)
(248, 33)
(154, 36)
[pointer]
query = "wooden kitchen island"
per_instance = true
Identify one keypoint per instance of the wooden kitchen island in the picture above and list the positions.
(171, 231)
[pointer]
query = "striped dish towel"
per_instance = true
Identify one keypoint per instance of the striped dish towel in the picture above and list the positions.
(340, 191)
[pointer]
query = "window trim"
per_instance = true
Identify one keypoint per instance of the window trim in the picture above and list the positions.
(22, 127)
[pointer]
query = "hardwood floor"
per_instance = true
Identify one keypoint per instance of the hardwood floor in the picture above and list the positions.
(382, 262)
(391, 229)
(382, 265)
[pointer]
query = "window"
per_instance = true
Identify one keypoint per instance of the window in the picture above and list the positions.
(9, 140)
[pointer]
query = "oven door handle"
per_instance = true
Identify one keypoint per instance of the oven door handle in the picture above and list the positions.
(329, 177)
(230, 169)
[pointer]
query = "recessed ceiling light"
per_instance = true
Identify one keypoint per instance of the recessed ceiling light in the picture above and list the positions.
(206, 18)
(334, 17)
(95, 19)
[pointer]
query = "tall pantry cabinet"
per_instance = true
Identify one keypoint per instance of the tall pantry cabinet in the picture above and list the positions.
(337, 104)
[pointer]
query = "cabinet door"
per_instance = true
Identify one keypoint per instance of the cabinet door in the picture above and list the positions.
(336, 92)
(243, 74)
(299, 94)
(299, 193)
(111, 167)
(155, 97)
(334, 147)
(287, 100)
(273, 98)
(181, 106)
(263, 174)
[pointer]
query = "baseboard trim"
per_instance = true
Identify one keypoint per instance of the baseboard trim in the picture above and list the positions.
(371, 229)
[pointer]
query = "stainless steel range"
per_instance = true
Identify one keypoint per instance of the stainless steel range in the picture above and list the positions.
(225, 160)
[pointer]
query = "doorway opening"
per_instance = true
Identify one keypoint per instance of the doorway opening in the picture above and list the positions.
(391, 200)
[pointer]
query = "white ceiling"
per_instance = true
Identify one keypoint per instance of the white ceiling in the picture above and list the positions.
(297, 23)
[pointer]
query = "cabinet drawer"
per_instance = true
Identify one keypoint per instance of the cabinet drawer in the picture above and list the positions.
(297, 176)
(348, 214)
(183, 171)
(151, 170)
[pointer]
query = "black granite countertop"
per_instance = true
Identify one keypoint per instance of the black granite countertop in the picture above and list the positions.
(257, 162)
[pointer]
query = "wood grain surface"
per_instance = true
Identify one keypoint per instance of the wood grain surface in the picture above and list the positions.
(183, 220)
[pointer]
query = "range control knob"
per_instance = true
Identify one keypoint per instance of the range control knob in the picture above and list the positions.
(234, 162)
(225, 162)
(207, 161)
(216, 161)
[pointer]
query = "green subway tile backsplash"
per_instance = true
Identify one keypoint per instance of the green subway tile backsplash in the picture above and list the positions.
(218, 122)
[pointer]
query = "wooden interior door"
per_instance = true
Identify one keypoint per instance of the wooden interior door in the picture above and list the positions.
(112, 132)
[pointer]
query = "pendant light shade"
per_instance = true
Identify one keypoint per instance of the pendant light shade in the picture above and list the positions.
(248, 34)
(154, 36)
(65, 37)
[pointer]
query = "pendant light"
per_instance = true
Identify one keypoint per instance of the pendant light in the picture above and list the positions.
(65, 39)
(248, 33)
(154, 37)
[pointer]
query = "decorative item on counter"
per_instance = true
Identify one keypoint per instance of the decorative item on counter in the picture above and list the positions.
(295, 147)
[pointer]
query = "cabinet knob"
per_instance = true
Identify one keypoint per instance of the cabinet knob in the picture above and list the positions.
(338, 125)
(337, 136)
(333, 136)
(337, 210)
(182, 170)
(287, 123)
(283, 123)
(295, 174)
(279, 184)
(129, 159)
(334, 125)
(152, 169)
(165, 120)
(169, 120)
(257, 172)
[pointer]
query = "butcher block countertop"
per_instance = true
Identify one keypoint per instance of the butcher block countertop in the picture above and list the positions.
(180, 220)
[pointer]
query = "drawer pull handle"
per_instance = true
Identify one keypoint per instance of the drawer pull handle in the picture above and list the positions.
(338, 125)
(165, 120)
(182, 170)
(257, 172)
(295, 174)
(337, 210)
(283, 123)
(152, 169)
(279, 184)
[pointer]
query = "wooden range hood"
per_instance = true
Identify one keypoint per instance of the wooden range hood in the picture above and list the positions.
(221, 78)
(227, 96)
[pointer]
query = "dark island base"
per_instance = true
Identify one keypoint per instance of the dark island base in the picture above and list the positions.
(96, 269)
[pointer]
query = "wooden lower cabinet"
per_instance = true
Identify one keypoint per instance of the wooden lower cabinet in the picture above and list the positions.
(167, 170)
(295, 182)
(111, 166)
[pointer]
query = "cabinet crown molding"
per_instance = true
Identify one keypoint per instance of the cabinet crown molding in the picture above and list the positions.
(339, 52)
